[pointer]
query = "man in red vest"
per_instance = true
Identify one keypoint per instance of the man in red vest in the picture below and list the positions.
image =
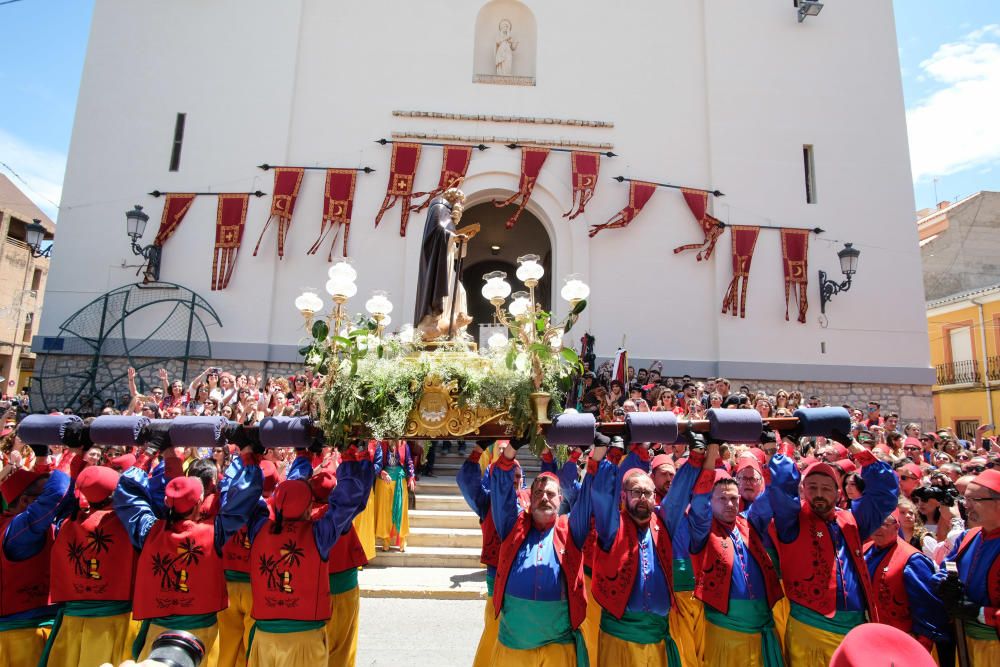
(735, 577)
(974, 596)
(903, 586)
(180, 583)
(93, 570)
(633, 566)
(539, 584)
(819, 546)
(33, 498)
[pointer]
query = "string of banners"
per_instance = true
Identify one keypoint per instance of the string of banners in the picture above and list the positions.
(338, 205)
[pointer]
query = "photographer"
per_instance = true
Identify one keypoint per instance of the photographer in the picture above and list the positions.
(937, 506)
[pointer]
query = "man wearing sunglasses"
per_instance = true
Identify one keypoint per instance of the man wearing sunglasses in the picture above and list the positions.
(974, 596)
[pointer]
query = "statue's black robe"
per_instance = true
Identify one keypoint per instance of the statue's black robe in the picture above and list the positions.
(432, 281)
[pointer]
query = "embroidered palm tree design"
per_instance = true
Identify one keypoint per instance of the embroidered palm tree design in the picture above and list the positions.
(171, 569)
(97, 541)
(76, 552)
(163, 567)
(289, 555)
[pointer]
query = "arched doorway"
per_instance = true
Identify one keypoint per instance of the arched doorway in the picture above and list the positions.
(497, 248)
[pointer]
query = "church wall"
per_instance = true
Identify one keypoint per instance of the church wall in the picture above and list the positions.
(706, 94)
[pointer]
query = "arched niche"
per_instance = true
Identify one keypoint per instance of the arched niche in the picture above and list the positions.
(511, 22)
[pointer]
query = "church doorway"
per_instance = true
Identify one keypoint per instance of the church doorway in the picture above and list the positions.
(497, 248)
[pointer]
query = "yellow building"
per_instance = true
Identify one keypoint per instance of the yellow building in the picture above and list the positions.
(964, 331)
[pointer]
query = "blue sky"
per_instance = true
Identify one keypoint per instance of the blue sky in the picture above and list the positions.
(949, 55)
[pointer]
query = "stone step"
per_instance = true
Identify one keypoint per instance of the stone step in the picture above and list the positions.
(418, 556)
(442, 583)
(441, 502)
(437, 486)
(445, 537)
(443, 519)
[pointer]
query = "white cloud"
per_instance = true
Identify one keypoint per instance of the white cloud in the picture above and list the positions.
(958, 126)
(41, 168)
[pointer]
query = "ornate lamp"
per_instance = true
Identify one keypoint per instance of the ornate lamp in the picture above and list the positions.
(574, 289)
(379, 307)
(308, 303)
(135, 227)
(34, 234)
(848, 257)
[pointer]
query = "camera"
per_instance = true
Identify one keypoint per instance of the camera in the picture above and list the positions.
(946, 497)
(177, 648)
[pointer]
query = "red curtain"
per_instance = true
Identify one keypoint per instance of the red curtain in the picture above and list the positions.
(338, 205)
(795, 256)
(639, 193)
(532, 160)
(454, 167)
(230, 221)
(287, 181)
(400, 188)
(744, 241)
(697, 201)
(174, 209)
(586, 167)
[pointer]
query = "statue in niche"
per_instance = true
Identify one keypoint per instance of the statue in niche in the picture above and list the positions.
(506, 45)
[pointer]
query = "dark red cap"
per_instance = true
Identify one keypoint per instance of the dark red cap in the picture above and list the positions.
(292, 498)
(184, 494)
(96, 483)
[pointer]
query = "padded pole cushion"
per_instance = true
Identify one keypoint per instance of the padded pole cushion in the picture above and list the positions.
(823, 421)
(651, 427)
(197, 431)
(47, 429)
(157, 433)
(286, 432)
(117, 430)
(573, 429)
(734, 425)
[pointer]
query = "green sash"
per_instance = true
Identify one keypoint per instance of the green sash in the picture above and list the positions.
(976, 630)
(81, 609)
(181, 622)
(683, 575)
(25, 623)
(841, 623)
(490, 581)
(529, 624)
(233, 575)
(751, 617)
(642, 628)
(397, 475)
(341, 582)
(773, 553)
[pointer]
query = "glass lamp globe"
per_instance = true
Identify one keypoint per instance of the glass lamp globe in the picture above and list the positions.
(574, 289)
(379, 303)
(519, 306)
(343, 269)
(308, 303)
(340, 288)
(497, 341)
(386, 321)
(496, 287)
(529, 269)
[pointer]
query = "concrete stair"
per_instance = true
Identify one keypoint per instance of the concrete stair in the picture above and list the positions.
(433, 557)
(445, 537)
(443, 518)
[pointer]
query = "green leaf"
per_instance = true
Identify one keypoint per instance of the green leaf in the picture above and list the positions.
(578, 308)
(345, 342)
(541, 321)
(570, 355)
(570, 321)
(372, 325)
(304, 351)
(381, 351)
(511, 355)
(320, 330)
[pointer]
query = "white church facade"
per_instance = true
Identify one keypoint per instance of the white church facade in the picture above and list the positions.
(796, 124)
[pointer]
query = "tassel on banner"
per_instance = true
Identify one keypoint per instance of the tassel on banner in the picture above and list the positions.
(287, 181)
(744, 241)
(697, 201)
(174, 209)
(454, 166)
(795, 256)
(639, 193)
(230, 222)
(338, 205)
(532, 160)
(586, 167)
(405, 157)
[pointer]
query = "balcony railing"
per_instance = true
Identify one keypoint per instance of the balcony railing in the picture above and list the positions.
(993, 369)
(959, 372)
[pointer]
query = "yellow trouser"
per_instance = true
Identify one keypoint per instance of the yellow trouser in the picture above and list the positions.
(342, 628)
(780, 611)
(488, 640)
(728, 648)
(93, 641)
(550, 655)
(208, 637)
(615, 652)
(591, 626)
(234, 625)
(288, 649)
(687, 627)
(364, 524)
(983, 652)
(384, 530)
(22, 647)
(806, 646)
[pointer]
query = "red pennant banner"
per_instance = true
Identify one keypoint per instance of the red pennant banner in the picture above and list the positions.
(795, 255)
(230, 221)
(338, 205)
(744, 241)
(586, 167)
(697, 201)
(639, 193)
(400, 188)
(532, 160)
(454, 167)
(174, 210)
(287, 181)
